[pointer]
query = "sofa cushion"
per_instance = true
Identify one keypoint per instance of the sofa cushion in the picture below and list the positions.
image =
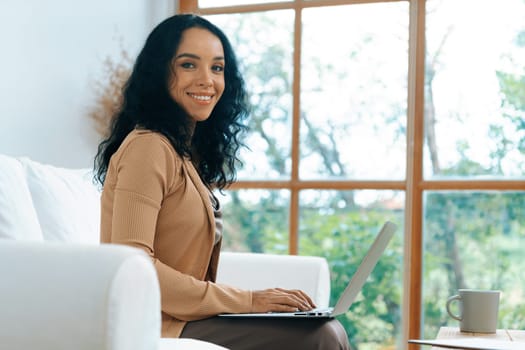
(18, 219)
(66, 202)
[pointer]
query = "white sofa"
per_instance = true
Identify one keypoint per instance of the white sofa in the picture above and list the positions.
(60, 289)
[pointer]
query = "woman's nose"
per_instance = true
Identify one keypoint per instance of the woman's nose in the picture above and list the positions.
(205, 79)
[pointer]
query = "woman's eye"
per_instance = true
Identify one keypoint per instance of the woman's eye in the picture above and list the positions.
(217, 68)
(187, 65)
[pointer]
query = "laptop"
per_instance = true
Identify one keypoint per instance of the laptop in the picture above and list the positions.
(352, 289)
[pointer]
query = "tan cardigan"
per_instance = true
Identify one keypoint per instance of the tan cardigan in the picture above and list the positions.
(154, 200)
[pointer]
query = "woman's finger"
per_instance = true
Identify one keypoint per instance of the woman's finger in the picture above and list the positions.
(306, 300)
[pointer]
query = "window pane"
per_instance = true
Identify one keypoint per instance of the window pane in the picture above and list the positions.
(473, 240)
(341, 226)
(255, 221)
(220, 3)
(264, 47)
(354, 91)
(475, 88)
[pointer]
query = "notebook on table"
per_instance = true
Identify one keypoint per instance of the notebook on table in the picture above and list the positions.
(352, 289)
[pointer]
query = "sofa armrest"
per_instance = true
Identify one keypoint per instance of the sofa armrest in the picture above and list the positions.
(256, 271)
(70, 296)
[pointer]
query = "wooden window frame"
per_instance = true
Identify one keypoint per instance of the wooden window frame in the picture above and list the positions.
(414, 185)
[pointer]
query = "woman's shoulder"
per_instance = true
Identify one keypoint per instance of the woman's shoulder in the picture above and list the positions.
(146, 145)
(148, 141)
(146, 136)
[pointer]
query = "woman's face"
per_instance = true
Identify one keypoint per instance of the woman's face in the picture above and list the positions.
(197, 78)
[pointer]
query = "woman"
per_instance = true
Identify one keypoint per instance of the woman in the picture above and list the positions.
(173, 142)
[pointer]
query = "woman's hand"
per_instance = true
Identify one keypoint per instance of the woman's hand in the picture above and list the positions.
(281, 300)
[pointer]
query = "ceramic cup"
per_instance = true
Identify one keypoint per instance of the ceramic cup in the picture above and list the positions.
(478, 310)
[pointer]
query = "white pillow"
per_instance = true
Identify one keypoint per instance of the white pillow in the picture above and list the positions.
(18, 219)
(66, 201)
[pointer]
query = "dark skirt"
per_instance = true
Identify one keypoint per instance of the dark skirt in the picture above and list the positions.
(269, 334)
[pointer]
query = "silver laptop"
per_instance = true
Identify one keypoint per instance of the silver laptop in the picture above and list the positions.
(352, 289)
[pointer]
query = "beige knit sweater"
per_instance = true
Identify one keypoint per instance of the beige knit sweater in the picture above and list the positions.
(154, 200)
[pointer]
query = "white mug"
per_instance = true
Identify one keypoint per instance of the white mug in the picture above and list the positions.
(478, 310)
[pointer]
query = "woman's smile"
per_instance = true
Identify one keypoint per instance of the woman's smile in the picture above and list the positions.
(205, 99)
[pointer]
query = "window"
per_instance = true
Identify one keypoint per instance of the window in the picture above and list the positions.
(473, 237)
(408, 110)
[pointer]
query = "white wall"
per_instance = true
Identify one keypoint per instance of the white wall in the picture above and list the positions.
(51, 55)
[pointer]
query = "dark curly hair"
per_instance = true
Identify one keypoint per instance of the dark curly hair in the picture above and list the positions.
(146, 103)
